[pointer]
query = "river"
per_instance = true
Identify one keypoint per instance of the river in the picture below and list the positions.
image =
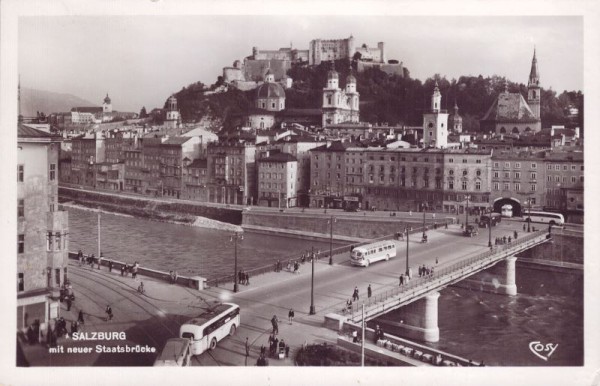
(480, 326)
(189, 250)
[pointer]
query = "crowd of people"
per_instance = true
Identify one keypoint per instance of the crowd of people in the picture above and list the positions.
(425, 271)
(243, 277)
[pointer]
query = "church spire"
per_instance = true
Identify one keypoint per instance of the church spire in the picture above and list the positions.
(534, 75)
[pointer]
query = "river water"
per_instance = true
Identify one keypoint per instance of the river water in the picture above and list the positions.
(480, 326)
(189, 250)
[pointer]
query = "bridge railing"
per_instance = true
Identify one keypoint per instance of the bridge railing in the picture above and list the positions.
(379, 301)
(289, 260)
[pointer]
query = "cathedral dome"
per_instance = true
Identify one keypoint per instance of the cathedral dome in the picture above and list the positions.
(270, 90)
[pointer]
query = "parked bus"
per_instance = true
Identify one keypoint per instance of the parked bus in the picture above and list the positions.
(208, 328)
(373, 252)
(488, 219)
(543, 217)
(507, 210)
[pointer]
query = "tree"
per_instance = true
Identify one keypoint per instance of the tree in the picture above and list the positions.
(143, 113)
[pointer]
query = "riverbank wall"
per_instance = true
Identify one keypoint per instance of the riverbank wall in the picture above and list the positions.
(567, 247)
(352, 227)
(155, 209)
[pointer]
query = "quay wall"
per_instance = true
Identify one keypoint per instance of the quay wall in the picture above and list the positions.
(565, 247)
(351, 226)
(184, 212)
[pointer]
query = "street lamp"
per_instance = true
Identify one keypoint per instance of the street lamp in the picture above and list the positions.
(312, 283)
(424, 209)
(490, 211)
(331, 221)
(406, 230)
(529, 215)
(467, 213)
(235, 238)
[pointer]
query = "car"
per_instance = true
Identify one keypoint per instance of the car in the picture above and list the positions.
(470, 231)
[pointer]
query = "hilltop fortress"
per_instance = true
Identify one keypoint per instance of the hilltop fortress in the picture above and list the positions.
(249, 74)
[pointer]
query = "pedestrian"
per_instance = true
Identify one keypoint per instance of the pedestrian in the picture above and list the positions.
(291, 315)
(247, 346)
(263, 349)
(274, 322)
(122, 270)
(92, 259)
(275, 346)
(377, 334)
(504, 240)
(80, 317)
(240, 276)
(524, 228)
(446, 226)
(69, 302)
(80, 257)
(287, 351)
(437, 260)
(509, 239)
(110, 265)
(369, 291)
(515, 234)
(401, 279)
(74, 326)
(109, 313)
(247, 278)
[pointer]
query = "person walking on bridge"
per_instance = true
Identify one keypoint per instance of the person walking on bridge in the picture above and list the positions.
(369, 291)
(291, 315)
(275, 323)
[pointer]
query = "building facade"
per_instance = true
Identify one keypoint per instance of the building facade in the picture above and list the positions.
(340, 106)
(42, 230)
(278, 180)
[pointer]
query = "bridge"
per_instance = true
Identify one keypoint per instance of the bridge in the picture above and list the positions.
(419, 297)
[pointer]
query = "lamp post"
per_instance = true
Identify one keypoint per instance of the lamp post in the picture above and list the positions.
(467, 213)
(331, 220)
(312, 283)
(529, 215)
(235, 238)
(490, 211)
(424, 209)
(406, 230)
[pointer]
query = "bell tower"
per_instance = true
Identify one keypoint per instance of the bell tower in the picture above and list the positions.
(435, 122)
(533, 87)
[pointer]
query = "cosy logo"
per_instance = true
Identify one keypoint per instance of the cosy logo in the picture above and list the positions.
(543, 351)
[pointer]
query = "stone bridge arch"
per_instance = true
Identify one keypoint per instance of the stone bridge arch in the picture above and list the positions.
(516, 205)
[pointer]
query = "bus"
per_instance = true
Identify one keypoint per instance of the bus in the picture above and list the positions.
(488, 219)
(507, 210)
(210, 327)
(176, 352)
(373, 252)
(543, 217)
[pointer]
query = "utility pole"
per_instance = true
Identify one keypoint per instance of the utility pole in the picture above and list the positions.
(490, 211)
(235, 238)
(424, 207)
(407, 250)
(362, 340)
(312, 282)
(99, 234)
(467, 214)
(331, 239)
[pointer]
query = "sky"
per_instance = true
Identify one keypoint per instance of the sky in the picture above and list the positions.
(140, 60)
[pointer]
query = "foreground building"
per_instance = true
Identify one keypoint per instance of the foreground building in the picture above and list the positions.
(42, 229)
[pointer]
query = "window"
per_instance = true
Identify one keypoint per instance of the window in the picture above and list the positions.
(496, 164)
(464, 185)
(20, 173)
(21, 207)
(477, 185)
(507, 164)
(549, 166)
(477, 161)
(533, 165)
(57, 276)
(451, 160)
(21, 243)
(496, 174)
(381, 179)
(20, 282)
(506, 187)
(573, 179)
(451, 172)
(556, 167)
(517, 187)
(450, 184)
(517, 175)
(464, 161)
(465, 172)
(533, 187)
(517, 165)
(506, 174)
(496, 186)
(565, 167)
(52, 174)
(556, 178)
(533, 176)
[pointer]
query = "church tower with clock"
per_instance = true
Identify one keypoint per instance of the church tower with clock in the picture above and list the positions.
(435, 122)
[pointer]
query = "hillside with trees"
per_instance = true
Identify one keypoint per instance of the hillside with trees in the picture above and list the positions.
(384, 98)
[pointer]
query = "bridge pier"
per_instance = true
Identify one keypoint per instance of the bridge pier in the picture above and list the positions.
(419, 319)
(508, 284)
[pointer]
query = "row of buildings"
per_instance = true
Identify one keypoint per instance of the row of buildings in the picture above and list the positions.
(349, 164)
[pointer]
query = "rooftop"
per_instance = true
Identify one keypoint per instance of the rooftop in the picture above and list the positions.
(279, 157)
(510, 107)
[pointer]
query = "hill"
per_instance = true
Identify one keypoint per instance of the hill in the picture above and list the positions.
(393, 99)
(33, 100)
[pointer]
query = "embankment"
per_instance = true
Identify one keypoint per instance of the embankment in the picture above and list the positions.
(354, 227)
(180, 212)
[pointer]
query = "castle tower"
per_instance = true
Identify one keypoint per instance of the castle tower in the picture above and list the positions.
(456, 120)
(533, 86)
(435, 122)
(106, 105)
(269, 76)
